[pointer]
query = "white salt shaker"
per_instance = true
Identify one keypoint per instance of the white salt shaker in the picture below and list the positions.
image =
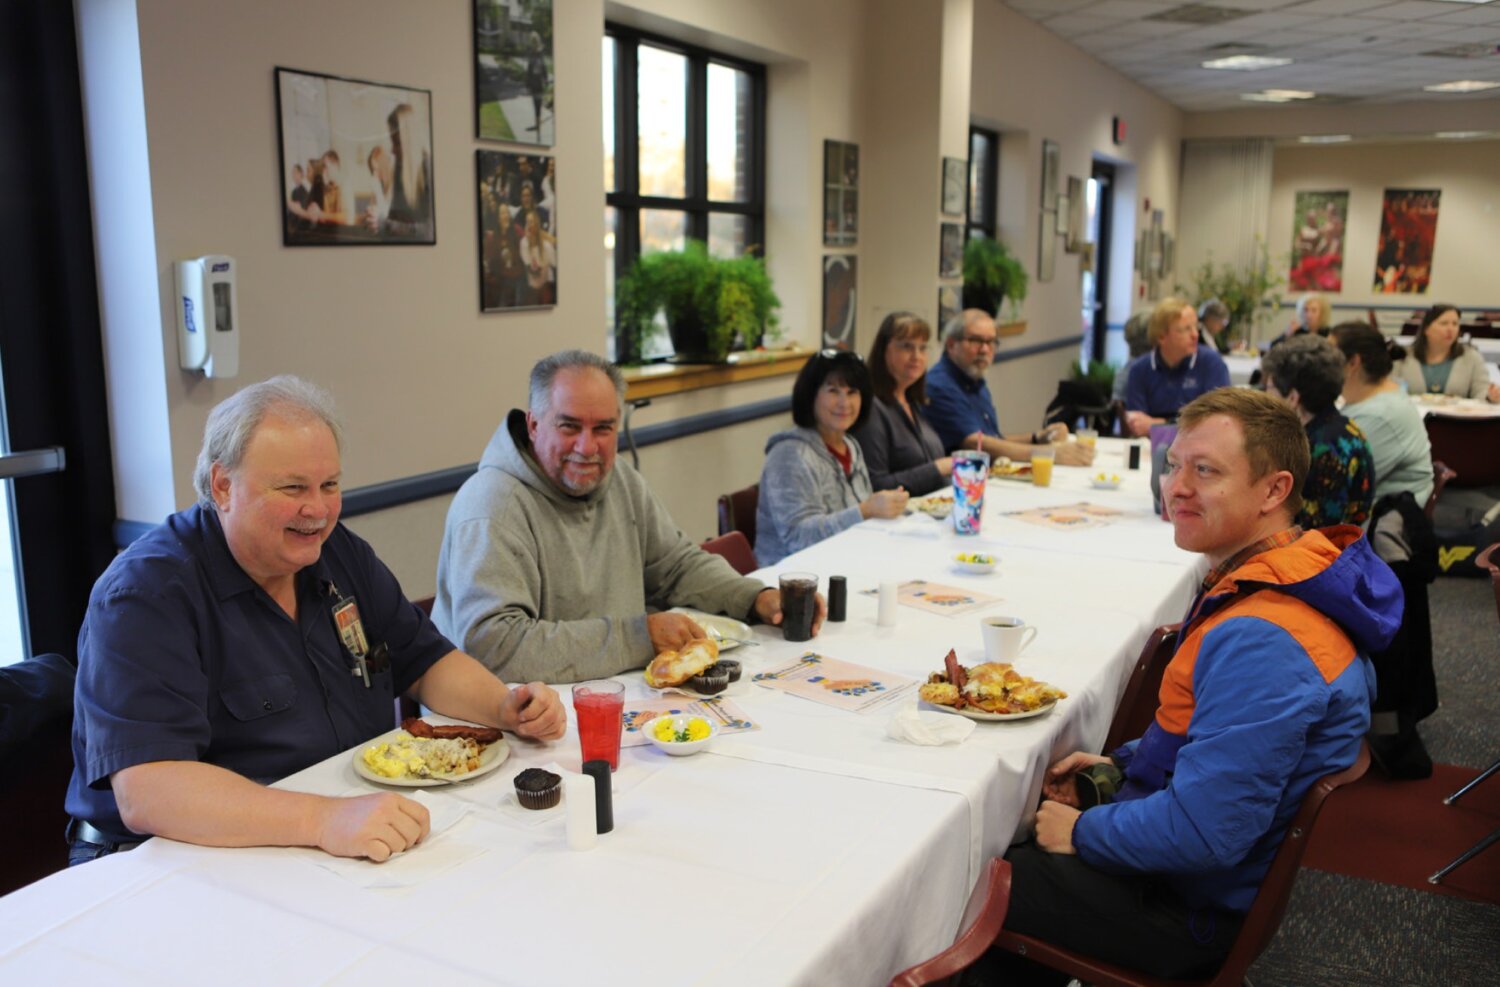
(886, 615)
(578, 794)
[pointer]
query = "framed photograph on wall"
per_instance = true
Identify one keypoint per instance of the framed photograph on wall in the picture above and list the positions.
(1318, 222)
(517, 231)
(1046, 260)
(948, 306)
(839, 294)
(951, 251)
(356, 161)
(840, 194)
(1408, 231)
(514, 71)
(955, 186)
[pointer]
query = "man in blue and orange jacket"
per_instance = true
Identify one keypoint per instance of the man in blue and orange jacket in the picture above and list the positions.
(1269, 690)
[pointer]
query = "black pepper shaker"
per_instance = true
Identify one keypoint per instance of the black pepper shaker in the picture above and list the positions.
(838, 597)
(604, 810)
(1135, 456)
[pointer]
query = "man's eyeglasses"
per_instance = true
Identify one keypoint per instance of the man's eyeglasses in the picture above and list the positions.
(987, 341)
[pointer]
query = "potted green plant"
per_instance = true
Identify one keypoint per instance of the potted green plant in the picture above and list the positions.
(709, 303)
(992, 277)
(1245, 291)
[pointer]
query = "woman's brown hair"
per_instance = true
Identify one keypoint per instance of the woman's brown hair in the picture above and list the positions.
(897, 326)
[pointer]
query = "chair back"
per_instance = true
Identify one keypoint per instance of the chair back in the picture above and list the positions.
(1261, 921)
(1489, 560)
(737, 511)
(735, 550)
(1468, 446)
(981, 922)
(1441, 474)
(1139, 701)
(36, 737)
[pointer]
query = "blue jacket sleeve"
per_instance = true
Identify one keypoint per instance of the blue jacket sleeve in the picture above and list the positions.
(1257, 695)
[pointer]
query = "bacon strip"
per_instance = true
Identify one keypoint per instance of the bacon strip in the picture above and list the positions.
(421, 728)
(957, 674)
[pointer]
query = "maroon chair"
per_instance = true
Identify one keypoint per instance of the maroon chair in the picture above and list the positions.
(981, 922)
(1139, 701)
(1468, 446)
(1260, 923)
(737, 511)
(736, 551)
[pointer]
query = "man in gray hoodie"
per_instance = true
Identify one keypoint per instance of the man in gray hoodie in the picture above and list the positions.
(552, 552)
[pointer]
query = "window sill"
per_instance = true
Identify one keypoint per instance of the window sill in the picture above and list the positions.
(656, 380)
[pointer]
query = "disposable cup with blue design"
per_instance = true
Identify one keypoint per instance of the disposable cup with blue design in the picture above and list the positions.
(971, 471)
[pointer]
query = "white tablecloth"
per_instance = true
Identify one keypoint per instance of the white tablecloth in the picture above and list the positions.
(815, 850)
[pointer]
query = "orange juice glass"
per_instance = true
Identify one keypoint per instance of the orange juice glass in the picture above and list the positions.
(1042, 458)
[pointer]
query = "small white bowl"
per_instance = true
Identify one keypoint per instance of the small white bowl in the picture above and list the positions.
(976, 568)
(679, 722)
(1105, 482)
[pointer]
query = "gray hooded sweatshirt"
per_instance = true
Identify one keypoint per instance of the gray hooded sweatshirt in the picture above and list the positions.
(541, 585)
(804, 494)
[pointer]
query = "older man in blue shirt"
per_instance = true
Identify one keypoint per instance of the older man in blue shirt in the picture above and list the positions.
(961, 408)
(215, 655)
(1178, 368)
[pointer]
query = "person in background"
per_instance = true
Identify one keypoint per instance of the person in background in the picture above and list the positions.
(1269, 690)
(1176, 371)
(1314, 315)
(1392, 425)
(1137, 344)
(558, 561)
(1440, 364)
(1213, 318)
(901, 447)
(1308, 374)
(961, 409)
(815, 483)
(211, 663)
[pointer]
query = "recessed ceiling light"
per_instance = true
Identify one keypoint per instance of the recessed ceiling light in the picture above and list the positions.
(1325, 139)
(1463, 1)
(1278, 95)
(1462, 86)
(1246, 63)
(1458, 135)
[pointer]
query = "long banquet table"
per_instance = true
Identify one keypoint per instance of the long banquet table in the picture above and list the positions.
(813, 850)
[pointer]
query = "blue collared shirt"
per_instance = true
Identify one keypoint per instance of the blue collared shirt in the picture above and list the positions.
(183, 657)
(958, 405)
(1161, 391)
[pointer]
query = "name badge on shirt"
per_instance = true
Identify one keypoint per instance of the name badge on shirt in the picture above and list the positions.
(351, 632)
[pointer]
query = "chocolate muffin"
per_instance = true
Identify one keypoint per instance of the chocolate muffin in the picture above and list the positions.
(711, 681)
(538, 789)
(733, 667)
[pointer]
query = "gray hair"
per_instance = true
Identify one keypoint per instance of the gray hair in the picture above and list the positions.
(1310, 365)
(956, 326)
(1214, 307)
(233, 422)
(544, 374)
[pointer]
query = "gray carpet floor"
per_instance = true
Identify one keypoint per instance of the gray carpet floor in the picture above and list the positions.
(1344, 932)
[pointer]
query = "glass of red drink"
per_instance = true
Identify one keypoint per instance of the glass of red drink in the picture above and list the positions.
(600, 706)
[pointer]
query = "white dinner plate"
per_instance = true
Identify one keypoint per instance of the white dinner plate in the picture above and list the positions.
(489, 759)
(730, 630)
(982, 716)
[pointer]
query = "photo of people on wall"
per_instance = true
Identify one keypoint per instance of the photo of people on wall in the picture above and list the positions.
(1318, 220)
(517, 230)
(513, 71)
(1408, 230)
(356, 161)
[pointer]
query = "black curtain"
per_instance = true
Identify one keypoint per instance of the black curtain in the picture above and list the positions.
(49, 320)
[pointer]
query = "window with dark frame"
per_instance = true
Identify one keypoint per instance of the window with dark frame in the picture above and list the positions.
(684, 152)
(984, 180)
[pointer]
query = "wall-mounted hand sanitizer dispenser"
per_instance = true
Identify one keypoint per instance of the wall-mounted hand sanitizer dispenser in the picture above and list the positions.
(208, 322)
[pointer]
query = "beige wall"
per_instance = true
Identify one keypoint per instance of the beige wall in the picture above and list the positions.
(1033, 86)
(1415, 118)
(421, 376)
(1469, 211)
